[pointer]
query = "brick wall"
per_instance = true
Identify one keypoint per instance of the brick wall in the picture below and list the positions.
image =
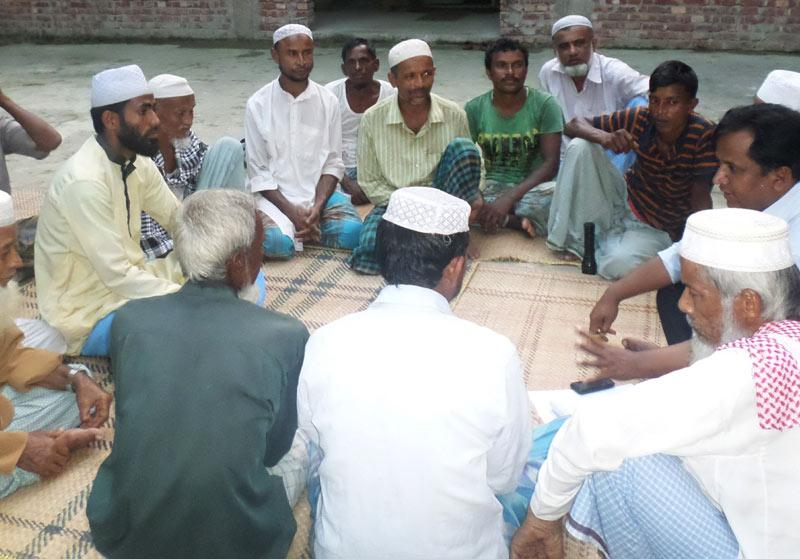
(274, 14)
(707, 24)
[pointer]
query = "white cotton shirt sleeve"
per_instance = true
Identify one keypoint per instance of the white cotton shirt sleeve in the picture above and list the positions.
(671, 259)
(256, 143)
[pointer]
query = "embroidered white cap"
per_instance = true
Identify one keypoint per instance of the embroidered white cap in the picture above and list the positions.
(409, 48)
(6, 209)
(427, 210)
(781, 87)
(117, 85)
(738, 240)
(168, 85)
(569, 21)
(291, 29)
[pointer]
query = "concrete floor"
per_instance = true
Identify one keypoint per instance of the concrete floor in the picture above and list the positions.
(53, 81)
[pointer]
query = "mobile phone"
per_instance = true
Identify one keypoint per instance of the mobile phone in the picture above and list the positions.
(583, 387)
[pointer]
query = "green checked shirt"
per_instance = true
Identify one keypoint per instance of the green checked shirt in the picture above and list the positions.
(391, 156)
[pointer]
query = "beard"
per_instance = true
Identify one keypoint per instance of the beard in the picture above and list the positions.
(702, 348)
(130, 138)
(249, 293)
(10, 304)
(578, 70)
(181, 143)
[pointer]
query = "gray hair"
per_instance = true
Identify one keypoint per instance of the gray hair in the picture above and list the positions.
(779, 291)
(212, 226)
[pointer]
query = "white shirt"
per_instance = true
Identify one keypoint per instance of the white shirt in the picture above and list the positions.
(787, 207)
(706, 414)
(291, 142)
(350, 119)
(418, 433)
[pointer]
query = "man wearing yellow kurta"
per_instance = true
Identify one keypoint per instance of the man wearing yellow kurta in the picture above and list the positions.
(88, 258)
(34, 404)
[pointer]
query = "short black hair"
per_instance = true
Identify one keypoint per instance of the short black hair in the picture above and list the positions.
(776, 134)
(503, 45)
(357, 42)
(413, 258)
(97, 114)
(674, 72)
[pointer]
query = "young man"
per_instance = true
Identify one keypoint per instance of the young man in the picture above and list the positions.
(644, 212)
(356, 93)
(37, 441)
(519, 132)
(411, 465)
(186, 163)
(410, 139)
(89, 260)
(206, 386)
(702, 462)
(293, 135)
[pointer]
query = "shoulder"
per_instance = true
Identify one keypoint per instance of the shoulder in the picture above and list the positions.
(614, 68)
(548, 67)
(699, 122)
(378, 110)
(336, 86)
(262, 95)
(451, 111)
(326, 95)
(477, 103)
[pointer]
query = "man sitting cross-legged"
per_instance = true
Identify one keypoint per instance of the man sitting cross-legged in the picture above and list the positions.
(206, 387)
(644, 212)
(356, 93)
(38, 412)
(418, 435)
(413, 138)
(705, 461)
(519, 131)
(186, 163)
(292, 130)
(89, 260)
(758, 147)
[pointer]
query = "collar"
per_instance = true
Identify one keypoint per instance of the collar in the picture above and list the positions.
(435, 113)
(413, 296)
(113, 156)
(307, 92)
(208, 289)
(787, 207)
(595, 75)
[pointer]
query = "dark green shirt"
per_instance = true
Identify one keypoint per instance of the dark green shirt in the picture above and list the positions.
(206, 388)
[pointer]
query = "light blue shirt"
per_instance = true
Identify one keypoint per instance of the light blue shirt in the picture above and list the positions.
(787, 207)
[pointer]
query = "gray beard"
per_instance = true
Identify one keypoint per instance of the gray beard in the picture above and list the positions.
(181, 143)
(730, 333)
(249, 293)
(577, 71)
(10, 305)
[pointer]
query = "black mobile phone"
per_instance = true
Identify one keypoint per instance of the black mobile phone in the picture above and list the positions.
(583, 387)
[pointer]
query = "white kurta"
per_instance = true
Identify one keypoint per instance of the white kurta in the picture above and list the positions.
(291, 142)
(706, 414)
(350, 119)
(418, 433)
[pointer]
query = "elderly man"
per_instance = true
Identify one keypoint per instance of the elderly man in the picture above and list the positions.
(587, 83)
(293, 134)
(24, 133)
(644, 212)
(187, 477)
(410, 465)
(413, 138)
(356, 93)
(186, 163)
(703, 462)
(759, 151)
(89, 260)
(37, 413)
(519, 132)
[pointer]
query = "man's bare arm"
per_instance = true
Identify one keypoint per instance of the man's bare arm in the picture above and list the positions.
(43, 135)
(619, 141)
(700, 196)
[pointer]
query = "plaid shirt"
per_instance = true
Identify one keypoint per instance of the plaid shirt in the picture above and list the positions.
(156, 242)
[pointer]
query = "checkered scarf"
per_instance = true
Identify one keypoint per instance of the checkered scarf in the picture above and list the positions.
(775, 373)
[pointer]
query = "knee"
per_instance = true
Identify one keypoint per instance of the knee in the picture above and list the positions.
(229, 145)
(277, 245)
(577, 147)
(462, 147)
(351, 234)
(617, 264)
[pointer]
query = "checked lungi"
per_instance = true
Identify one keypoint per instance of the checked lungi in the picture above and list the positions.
(458, 173)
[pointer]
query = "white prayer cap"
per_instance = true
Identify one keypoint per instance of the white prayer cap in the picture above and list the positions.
(291, 29)
(167, 85)
(738, 240)
(781, 87)
(117, 85)
(408, 49)
(427, 210)
(6, 209)
(569, 21)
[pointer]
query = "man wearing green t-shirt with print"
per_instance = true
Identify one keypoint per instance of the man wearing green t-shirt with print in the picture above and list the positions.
(519, 131)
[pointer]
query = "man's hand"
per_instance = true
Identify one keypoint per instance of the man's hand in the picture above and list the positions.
(603, 314)
(42, 455)
(619, 141)
(612, 362)
(476, 207)
(538, 539)
(309, 231)
(357, 196)
(493, 216)
(89, 395)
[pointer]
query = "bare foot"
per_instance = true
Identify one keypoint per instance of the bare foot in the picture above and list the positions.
(527, 226)
(80, 438)
(635, 344)
(566, 256)
(473, 252)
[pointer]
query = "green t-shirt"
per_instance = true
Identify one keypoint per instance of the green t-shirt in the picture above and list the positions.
(510, 146)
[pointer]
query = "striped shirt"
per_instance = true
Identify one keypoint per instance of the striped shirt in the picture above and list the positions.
(391, 156)
(659, 188)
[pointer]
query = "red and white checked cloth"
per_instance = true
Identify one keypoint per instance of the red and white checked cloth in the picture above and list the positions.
(775, 373)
